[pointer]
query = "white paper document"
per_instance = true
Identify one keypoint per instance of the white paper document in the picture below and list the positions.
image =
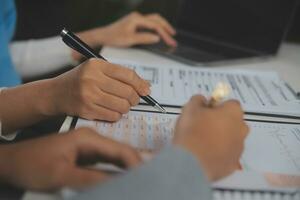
(258, 91)
(145, 131)
(271, 150)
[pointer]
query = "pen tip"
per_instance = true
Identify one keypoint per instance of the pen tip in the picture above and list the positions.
(160, 108)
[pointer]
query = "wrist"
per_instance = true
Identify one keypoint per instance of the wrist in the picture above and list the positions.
(49, 96)
(199, 155)
(94, 37)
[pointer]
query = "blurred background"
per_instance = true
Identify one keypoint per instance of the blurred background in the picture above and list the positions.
(50, 15)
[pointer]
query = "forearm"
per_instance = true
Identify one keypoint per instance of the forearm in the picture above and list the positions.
(38, 57)
(27, 104)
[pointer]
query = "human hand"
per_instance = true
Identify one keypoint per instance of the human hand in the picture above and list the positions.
(98, 90)
(50, 163)
(126, 31)
(214, 135)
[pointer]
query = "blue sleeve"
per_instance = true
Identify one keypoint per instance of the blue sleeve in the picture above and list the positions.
(174, 174)
(8, 75)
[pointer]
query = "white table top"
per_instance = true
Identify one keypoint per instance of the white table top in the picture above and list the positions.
(286, 63)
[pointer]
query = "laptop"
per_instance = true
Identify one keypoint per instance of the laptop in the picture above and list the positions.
(213, 31)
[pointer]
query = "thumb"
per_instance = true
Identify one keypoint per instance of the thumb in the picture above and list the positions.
(195, 103)
(82, 177)
(145, 38)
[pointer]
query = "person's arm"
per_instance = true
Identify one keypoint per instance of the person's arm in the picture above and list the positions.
(38, 57)
(52, 162)
(212, 138)
(94, 90)
(174, 174)
(132, 29)
(25, 105)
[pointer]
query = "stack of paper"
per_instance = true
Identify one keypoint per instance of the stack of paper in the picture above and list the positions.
(271, 150)
(271, 160)
(261, 93)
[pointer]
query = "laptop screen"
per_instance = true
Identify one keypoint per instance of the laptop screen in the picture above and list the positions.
(259, 25)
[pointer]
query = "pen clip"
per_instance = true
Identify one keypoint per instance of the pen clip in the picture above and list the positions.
(76, 44)
(75, 47)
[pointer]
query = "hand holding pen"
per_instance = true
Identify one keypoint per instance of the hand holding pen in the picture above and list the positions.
(75, 43)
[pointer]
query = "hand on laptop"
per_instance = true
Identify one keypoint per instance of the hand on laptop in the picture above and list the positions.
(50, 163)
(98, 90)
(214, 135)
(128, 31)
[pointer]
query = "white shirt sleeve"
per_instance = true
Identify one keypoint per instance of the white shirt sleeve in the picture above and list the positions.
(37, 57)
(7, 137)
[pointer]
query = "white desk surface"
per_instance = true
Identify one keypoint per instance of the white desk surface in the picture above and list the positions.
(286, 63)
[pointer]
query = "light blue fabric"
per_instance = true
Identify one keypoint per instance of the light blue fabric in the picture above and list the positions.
(174, 174)
(8, 75)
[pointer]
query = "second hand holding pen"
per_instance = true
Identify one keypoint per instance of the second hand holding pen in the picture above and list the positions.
(78, 45)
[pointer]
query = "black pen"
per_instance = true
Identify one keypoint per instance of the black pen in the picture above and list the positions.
(78, 45)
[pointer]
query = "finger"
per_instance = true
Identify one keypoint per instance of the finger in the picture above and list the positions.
(163, 22)
(197, 101)
(145, 38)
(91, 143)
(97, 112)
(76, 177)
(119, 89)
(129, 77)
(112, 102)
(245, 129)
(145, 23)
(233, 107)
